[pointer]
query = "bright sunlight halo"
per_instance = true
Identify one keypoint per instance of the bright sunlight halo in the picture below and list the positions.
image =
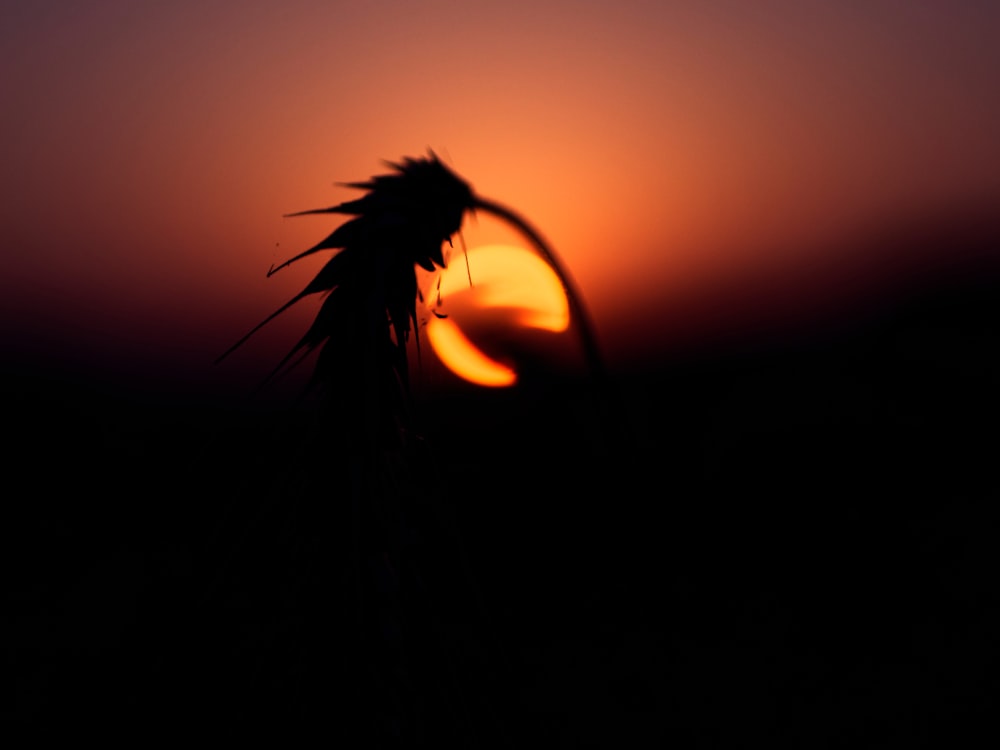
(504, 277)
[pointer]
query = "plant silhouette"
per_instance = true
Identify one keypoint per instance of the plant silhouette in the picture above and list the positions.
(404, 565)
(371, 284)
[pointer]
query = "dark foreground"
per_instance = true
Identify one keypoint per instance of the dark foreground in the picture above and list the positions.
(792, 539)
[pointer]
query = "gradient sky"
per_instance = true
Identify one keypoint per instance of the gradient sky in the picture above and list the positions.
(150, 149)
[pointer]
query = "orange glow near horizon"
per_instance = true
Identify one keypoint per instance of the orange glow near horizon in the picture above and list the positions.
(505, 278)
(664, 150)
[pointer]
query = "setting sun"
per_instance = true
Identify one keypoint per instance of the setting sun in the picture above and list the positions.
(463, 358)
(505, 279)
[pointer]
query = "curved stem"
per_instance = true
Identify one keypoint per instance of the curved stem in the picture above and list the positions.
(577, 311)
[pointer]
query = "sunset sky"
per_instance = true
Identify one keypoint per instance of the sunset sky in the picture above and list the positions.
(150, 149)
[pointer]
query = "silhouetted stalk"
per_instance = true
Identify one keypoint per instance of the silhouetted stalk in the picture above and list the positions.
(361, 330)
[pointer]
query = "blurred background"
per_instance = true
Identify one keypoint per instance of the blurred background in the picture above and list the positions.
(780, 215)
(672, 155)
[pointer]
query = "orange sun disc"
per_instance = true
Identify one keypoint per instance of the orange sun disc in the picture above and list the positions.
(504, 277)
